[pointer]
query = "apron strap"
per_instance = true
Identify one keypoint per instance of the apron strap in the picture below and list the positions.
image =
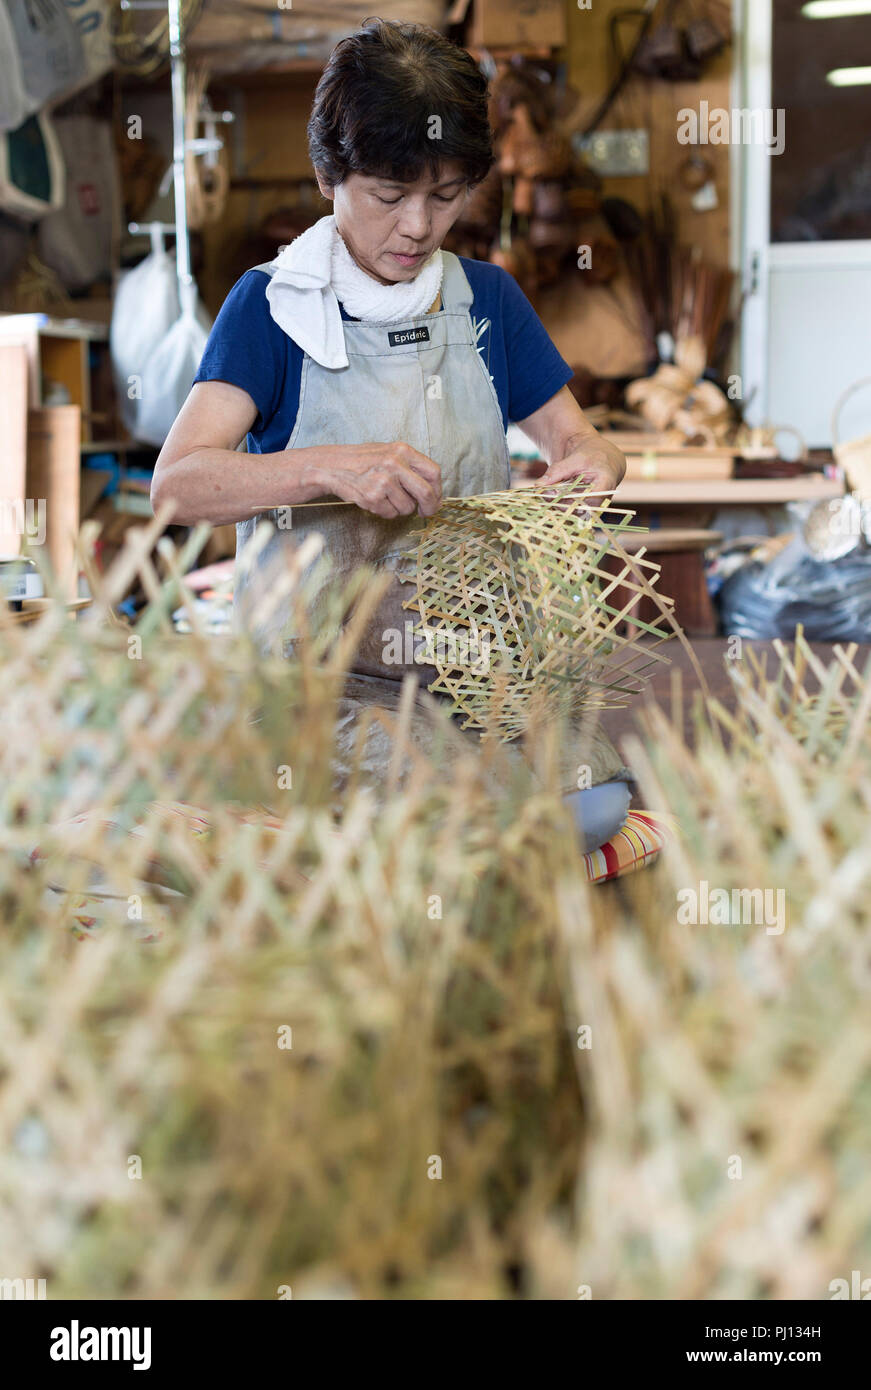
(456, 290)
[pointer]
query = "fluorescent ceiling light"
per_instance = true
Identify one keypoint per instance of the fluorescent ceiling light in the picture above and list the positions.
(849, 77)
(835, 9)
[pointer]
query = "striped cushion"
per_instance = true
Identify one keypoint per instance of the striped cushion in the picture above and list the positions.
(635, 845)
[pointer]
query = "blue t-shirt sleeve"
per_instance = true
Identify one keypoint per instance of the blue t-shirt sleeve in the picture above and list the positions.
(536, 370)
(246, 347)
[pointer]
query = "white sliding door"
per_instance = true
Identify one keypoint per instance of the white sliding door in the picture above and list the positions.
(806, 219)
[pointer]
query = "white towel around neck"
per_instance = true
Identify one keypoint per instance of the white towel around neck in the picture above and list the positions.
(316, 272)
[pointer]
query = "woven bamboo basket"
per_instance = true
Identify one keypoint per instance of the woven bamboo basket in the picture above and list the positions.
(518, 612)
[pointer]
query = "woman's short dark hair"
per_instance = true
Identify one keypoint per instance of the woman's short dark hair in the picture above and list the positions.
(375, 103)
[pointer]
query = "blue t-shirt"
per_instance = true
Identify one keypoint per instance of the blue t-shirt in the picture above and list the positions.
(247, 348)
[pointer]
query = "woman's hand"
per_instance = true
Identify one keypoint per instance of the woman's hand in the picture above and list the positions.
(388, 479)
(594, 462)
(575, 449)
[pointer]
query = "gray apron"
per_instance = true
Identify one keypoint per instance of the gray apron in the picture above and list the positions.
(422, 382)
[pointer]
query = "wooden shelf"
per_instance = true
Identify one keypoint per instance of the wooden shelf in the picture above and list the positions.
(283, 68)
(57, 350)
(308, 68)
(669, 540)
(761, 492)
(116, 446)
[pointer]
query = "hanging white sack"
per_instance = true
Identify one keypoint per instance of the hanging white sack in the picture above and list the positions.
(169, 371)
(145, 306)
(76, 241)
(41, 57)
(32, 177)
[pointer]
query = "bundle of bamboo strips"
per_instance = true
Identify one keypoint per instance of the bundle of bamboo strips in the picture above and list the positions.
(420, 989)
(678, 293)
(701, 298)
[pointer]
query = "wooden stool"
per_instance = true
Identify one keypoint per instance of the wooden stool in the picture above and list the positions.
(679, 551)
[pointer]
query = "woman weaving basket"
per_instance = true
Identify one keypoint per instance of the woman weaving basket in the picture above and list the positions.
(367, 365)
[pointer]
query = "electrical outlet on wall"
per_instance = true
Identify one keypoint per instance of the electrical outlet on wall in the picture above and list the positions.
(616, 153)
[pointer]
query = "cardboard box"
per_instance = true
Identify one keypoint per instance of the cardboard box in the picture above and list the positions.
(519, 24)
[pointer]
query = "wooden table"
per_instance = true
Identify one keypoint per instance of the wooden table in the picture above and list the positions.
(672, 507)
(726, 492)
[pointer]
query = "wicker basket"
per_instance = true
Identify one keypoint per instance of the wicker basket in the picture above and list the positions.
(854, 455)
(523, 618)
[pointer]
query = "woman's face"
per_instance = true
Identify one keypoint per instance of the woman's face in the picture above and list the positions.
(391, 228)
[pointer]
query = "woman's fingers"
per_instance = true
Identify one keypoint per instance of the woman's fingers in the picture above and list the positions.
(420, 476)
(389, 480)
(424, 494)
(400, 497)
(426, 467)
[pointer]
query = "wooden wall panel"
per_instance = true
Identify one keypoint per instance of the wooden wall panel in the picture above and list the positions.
(270, 151)
(270, 145)
(654, 105)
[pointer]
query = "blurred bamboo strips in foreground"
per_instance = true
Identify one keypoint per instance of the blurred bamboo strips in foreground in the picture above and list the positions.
(400, 1048)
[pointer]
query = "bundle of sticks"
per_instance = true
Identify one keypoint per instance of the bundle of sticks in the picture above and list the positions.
(678, 292)
(701, 296)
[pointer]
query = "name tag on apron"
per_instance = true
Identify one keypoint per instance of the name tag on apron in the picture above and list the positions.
(408, 335)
